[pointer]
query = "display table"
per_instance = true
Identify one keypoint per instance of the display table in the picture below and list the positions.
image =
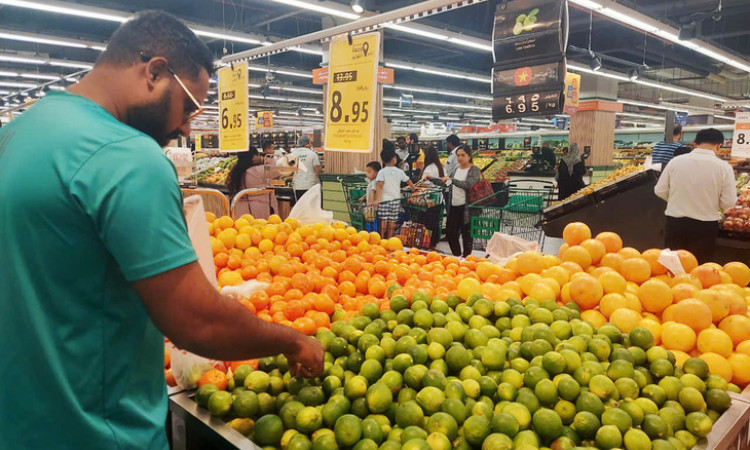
(193, 428)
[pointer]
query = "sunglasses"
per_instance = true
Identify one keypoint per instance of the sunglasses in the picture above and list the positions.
(191, 110)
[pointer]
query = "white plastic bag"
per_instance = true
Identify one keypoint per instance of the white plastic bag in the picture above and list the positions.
(308, 210)
(244, 290)
(502, 247)
(671, 260)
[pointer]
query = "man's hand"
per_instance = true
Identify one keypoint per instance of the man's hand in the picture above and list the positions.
(306, 360)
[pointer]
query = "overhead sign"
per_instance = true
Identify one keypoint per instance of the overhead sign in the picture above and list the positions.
(233, 108)
(741, 137)
(386, 75)
(264, 119)
(572, 92)
(198, 143)
(529, 42)
(351, 96)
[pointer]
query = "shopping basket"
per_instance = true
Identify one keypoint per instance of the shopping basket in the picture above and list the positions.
(361, 216)
(519, 216)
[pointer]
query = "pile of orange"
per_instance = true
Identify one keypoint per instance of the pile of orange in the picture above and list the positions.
(702, 312)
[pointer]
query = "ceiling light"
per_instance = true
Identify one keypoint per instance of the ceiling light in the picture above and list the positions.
(70, 64)
(8, 74)
(18, 59)
(588, 4)
(79, 10)
(357, 6)
(417, 31)
(16, 84)
(39, 76)
(634, 74)
(212, 34)
(595, 62)
(472, 44)
(317, 8)
(41, 40)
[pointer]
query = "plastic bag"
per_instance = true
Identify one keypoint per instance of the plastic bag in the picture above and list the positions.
(671, 260)
(502, 247)
(308, 210)
(244, 290)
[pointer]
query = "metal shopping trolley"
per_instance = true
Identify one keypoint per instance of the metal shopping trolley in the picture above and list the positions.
(519, 216)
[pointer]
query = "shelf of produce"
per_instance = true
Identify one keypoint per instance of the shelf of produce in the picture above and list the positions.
(194, 428)
(731, 430)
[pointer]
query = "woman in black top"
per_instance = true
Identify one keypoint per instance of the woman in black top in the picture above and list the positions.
(570, 172)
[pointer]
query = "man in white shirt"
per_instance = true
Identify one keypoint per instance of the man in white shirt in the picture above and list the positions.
(696, 187)
(452, 143)
(402, 151)
(308, 167)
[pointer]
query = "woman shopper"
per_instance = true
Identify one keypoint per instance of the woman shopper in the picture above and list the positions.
(249, 173)
(431, 217)
(570, 172)
(459, 217)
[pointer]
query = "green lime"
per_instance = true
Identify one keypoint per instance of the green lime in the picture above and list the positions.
(398, 303)
(566, 410)
(634, 411)
(246, 404)
(309, 419)
(311, 396)
(546, 392)
(654, 393)
(505, 423)
(568, 388)
(617, 417)
(673, 417)
(409, 413)
(718, 400)
(692, 400)
(628, 388)
(372, 430)
(476, 429)
(641, 337)
(348, 430)
(608, 437)
(455, 408)
(697, 367)
(204, 393)
(288, 413)
(438, 441)
(590, 402)
(636, 439)
(654, 426)
(268, 430)
(443, 423)
(661, 368)
(687, 438)
(497, 441)
(257, 381)
(521, 413)
(699, 424)
(220, 403)
(585, 424)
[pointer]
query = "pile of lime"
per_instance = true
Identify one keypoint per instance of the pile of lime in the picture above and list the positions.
(441, 374)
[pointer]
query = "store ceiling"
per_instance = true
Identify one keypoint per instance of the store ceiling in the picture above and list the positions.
(622, 48)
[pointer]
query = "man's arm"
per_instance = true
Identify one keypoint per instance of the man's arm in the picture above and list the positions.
(662, 186)
(193, 315)
(728, 196)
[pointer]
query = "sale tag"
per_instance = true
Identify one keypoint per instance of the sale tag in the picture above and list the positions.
(741, 139)
(264, 119)
(352, 83)
(233, 107)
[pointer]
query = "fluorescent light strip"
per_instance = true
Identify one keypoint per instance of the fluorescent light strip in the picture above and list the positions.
(472, 44)
(80, 11)
(725, 118)
(440, 92)
(227, 37)
(648, 105)
(39, 40)
(8, 74)
(17, 84)
(642, 116)
(18, 59)
(318, 8)
(417, 32)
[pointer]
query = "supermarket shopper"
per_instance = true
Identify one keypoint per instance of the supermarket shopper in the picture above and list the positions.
(433, 169)
(459, 218)
(388, 190)
(548, 155)
(371, 173)
(250, 173)
(268, 148)
(570, 172)
(663, 152)
(696, 186)
(308, 167)
(96, 265)
(452, 143)
(402, 151)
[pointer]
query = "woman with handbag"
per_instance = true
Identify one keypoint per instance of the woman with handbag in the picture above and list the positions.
(466, 176)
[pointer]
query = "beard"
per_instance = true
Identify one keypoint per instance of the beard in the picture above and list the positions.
(151, 119)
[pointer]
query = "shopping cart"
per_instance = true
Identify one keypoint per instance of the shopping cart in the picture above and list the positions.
(361, 216)
(519, 216)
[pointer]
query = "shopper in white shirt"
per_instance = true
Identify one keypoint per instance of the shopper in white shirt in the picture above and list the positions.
(308, 167)
(388, 190)
(696, 187)
(403, 153)
(459, 217)
(433, 169)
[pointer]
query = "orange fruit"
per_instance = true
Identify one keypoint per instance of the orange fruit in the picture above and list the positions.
(558, 274)
(636, 270)
(655, 295)
(629, 252)
(613, 282)
(215, 377)
(571, 267)
(562, 249)
(625, 319)
(578, 255)
(689, 262)
(586, 291)
(681, 291)
(612, 241)
(652, 325)
(714, 340)
(734, 301)
(707, 275)
(596, 249)
(530, 262)
(652, 256)
(679, 357)
(743, 347)
(739, 272)
(576, 232)
(677, 336)
(611, 302)
(613, 260)
(230, 278)
(693, 313)
(596, 318)
(686, 278)
(740, 368)
(718, 365)
(737, 327)
(668, 314)
(715, 302)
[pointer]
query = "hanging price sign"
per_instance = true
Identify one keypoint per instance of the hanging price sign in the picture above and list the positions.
(351, 97)
(233, 107)
(741, 139)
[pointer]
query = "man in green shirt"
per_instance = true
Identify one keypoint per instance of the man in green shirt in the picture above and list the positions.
(95, 262)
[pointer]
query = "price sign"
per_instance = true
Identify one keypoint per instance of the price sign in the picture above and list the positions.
(741, 139)
(351, 97)
(529, 30)
(233, 106)
(526, 104)
(198, 143)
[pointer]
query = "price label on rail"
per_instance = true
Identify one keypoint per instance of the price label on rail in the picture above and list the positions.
(741, 139)
(233, 107)
(351, 97)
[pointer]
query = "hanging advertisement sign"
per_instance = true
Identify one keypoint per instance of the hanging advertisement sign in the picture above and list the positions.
(264, 119)
(233, 108)
(352, 93)
(741, 137)
(572, 92)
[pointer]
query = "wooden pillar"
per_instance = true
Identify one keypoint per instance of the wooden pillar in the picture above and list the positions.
(593, 126)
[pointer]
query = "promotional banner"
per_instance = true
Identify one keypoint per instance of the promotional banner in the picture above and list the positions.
(352, 93)
(233, 108)
(572, 92)
(741, 138)
(264, 119)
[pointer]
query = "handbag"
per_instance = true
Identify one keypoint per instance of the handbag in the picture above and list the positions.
(482, 193)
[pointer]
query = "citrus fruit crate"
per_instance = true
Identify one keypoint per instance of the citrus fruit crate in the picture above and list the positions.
(731, 431)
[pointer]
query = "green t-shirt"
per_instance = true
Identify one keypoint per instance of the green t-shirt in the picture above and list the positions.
(87, 205)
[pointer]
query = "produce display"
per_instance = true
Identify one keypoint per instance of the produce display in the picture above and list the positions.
(216, 170)
(630, 156)
(601, 347)
(613, 178)
(737, 218)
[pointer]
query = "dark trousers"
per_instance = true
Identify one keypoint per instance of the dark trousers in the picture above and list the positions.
(695, 236)
(457, 226)
(431, 221)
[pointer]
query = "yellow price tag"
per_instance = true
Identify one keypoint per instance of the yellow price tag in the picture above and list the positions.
(233, 108)
(352, 93)
(198, 143)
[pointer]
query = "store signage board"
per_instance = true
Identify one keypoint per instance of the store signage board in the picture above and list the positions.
(386, 75)
(264, 119)
(741, 138)
(572, 92)
(529, 42)
(182, 158)
(198, 143)
(233, 108)
(352, 93)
